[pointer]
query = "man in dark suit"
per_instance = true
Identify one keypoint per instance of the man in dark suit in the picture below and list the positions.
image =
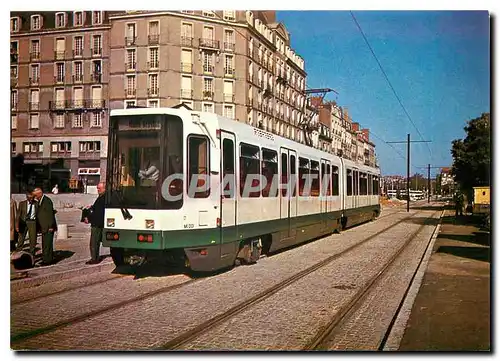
(26, 222)
(46, 223)
(96, 220)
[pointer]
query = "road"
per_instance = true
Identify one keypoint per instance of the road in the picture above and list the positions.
(340, 292)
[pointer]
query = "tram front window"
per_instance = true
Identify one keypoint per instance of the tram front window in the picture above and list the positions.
(144, 150)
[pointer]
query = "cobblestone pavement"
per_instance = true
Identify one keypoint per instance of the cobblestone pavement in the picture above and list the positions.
(153, 321)
(293, 316)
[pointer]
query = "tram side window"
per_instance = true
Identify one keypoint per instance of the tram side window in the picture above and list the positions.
(315, 182)
(362, 184)
(335, 180)
(370, 184)
(304, 172)
(284, 173)
(328, 180)
(375, 186)
(349, 182)
(198, 172)
(249, 168)
(228, 168)
(293, 175)
(356, 183)
(269, 170)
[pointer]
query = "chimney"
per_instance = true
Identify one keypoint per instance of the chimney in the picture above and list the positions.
(269, 16)
(355, 127)
(325, 117)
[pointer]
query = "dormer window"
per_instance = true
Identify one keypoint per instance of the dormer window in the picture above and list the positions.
(77, 18)
(36, 22)
(209, 13)
(229, 15)
(60, 20)
(96, 17)
(14, 25)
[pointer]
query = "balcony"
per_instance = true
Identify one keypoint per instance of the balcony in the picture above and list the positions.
(34, 55)
(229, 46)
(153, 65)
(249, 102)
(229, 72)
(33, 155)
(57, 105)
(77, 78)
(187, 41)
(250, 78)
(187, 93)
(95, 104)
(209, 43)
(153, 39)
(130, 66)
(78, 52)
(76, 104)
(59, 55)
(34, 80)
(130, 40)
(96, 51)
(208, 69)
(60, 154)
(153, 92)
(208, 95)
(228, 98)
(34, 106)
(90, 154)
(59, 79)
(95, 77)
(130, 93)
(186, 67)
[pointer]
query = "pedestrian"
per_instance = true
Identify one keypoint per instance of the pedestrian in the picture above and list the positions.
(55, 190)
(459, 203)
(46, 224)
(26, 222)
(96, 220)
(13, 214)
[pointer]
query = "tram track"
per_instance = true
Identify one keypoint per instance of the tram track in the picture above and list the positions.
(321, 340)
(205, 327)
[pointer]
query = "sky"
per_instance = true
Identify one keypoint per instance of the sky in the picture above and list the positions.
(438, 63)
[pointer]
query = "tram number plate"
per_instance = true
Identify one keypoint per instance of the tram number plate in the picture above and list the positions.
(189, 225)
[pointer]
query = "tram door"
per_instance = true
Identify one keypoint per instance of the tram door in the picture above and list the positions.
(288, 197)
(325, 176)
(228, 180)
(355, 188)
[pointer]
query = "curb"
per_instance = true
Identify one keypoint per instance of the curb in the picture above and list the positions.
(61, 275)
(397, 332)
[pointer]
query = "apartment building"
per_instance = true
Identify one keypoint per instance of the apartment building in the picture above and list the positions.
(59, 87)
(237, 64)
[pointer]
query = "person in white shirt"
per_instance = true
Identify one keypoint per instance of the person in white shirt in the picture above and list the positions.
(150, 173)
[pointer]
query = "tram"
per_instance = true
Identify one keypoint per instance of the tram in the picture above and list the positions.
(211, 192)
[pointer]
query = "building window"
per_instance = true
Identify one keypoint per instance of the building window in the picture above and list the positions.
(34, 122)
(153, 85)
(229, 65)
(208, 61)
(228, 91)
(35, 50)
(229, 40)
(60, 20)
(208, 13)
(96, 17)
(36, 22)
(186, 87)
(78, 49)
(13, 99)
(131, 34)
(77, 18)
(97, 45)
(208, 88)
(130, 59)
(78, 71)
(59, 121)
(60, 72)
(229, 111)
(154, 32)
(77, 120)
(90, 146)
(13, 121)
(34, 100)
(208, 107)
(153, 58)
(229, 15)
(96, 120)
(153, 103)
(58, 147)
(14, 25)
(33, 147)
(129, 103)
(35, 74)
(130, 85)
(186, 61)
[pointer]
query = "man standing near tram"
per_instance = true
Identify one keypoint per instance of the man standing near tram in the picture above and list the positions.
(96, 220)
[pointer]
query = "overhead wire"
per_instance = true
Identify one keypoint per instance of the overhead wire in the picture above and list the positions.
(388, 81)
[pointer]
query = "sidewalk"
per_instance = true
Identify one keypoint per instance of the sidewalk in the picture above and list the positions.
(452, 309)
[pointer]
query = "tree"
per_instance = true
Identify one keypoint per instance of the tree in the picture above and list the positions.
(472, 156)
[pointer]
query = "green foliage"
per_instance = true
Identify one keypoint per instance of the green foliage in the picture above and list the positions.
(472, 156)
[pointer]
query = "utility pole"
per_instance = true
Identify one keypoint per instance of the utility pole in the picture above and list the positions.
(428, 183)
(408, 166)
